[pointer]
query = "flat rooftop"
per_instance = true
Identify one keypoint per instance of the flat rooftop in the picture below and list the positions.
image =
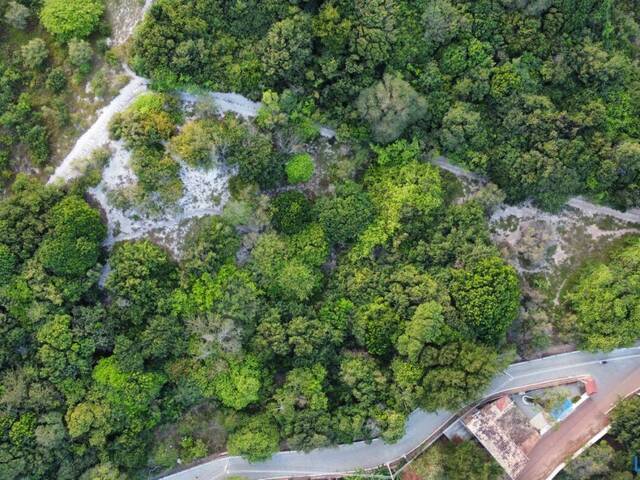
(505, 432)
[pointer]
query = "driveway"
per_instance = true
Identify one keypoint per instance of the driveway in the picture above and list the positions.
(582, 425)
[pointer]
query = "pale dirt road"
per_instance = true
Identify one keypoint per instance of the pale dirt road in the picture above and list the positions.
(582, 425)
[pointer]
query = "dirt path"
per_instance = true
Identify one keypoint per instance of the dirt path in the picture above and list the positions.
(583, 424)
(588, 208)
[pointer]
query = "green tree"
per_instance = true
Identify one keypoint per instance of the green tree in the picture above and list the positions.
(346, 214)
(626, 158)
(71, 19)
(363, 379)
(487, 296)
(317, 339)
(300, 168)
(7, 264)
(73, 244)
(287, 48)
(389, 107)
(239, 385)
(301, 408)
(130, 395)
(50, 432)
(23, 430)
(464, 137)
(458, 373)
(290, 212)
(398, 192)
(211, 243)
(256, 439)
(141, 277)
(594, 463)
(625, 424)
(469, 460)
(426, 329)
(103, 471)
(376, 327)
(606, 301)
(442, 22)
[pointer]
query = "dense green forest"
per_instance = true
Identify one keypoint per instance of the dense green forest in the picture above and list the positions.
(542, 95)
(307, 313)
(322, 335)
(605, 299)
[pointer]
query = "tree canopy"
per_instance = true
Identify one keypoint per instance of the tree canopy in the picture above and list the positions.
(606, 300)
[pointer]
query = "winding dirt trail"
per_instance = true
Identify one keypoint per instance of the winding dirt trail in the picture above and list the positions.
(579, 203)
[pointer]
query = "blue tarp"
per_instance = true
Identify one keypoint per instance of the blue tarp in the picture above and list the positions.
(559, 413)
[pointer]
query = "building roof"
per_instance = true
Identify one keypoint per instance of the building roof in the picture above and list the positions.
(502, 403)
(590, 386)
(505, 432)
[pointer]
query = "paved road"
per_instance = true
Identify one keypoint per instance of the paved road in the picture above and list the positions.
(582, 425)
(420, 425)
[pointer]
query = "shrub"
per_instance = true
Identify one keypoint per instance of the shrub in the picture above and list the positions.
(80, 55)
(157, 173)
(291, 211)
(17, 15)
(300, 168)
(34, 53)
(194, 144)
(56, 80)
(149, 120)
(37, 141)
(67, 19)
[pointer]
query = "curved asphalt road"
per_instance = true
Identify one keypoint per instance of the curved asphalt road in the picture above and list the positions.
(420, 425)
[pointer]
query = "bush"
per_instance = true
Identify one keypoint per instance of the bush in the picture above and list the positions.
(149, 120)
(34, 53)
(300, 168)
(80, 55)
(67, 19)
(37, 141)
(56, 80)
(291, 211)
(194, 144)
(17, 15)
(157, 173)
